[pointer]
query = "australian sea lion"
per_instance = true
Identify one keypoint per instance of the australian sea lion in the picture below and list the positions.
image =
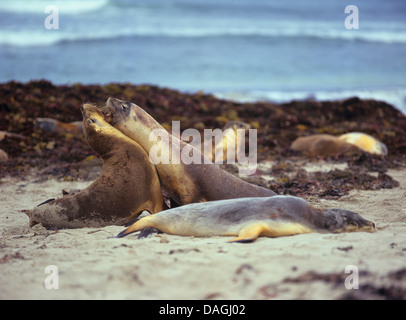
(249, 218)
(323, 145)
(365, 142)
(215, 147)
(54, 125)
(231, 141)
(186, 183)
(127, 185)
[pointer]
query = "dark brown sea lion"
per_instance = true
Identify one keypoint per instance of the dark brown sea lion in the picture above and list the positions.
(128, 183)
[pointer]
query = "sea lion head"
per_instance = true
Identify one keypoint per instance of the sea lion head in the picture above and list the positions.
(365, 142)
(236, 125)
(128, 117)
(339, 220)
(40, 214)
(99, 134)
(46, 124)
(380, 149)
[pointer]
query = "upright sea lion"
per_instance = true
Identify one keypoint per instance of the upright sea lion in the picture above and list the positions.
(323, 145)
(365, 142)
(128, 183)
(249, 218)
(186, 183)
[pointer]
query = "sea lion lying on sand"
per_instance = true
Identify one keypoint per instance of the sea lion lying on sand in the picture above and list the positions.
(322, 145)
(249, 218)
(329, 145)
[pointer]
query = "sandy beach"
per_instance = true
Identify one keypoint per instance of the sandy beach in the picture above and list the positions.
(89, 263)
(285, 72)
(92, 265)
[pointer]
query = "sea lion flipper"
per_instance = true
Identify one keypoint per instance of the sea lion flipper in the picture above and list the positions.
(45, 202)
(249, 233)
(145, 233)
(141, 224)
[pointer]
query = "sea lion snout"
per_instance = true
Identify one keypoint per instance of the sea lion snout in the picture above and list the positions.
(29, 213)
(381, 149)
(46, 124)
(339, 220)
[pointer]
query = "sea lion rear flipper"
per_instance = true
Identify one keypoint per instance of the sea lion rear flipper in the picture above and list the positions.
(141, 224)
(145, 233)
(249, 233)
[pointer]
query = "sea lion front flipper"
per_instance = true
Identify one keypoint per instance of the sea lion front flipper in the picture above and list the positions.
(250, 233)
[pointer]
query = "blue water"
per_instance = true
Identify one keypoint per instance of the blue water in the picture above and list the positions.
(245, 50)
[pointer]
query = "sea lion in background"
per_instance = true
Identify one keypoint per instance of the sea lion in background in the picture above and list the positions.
(128, 183)
(249, 218)
(230, 140)
(322, 145)
(53, 125)
(216, 149)
(186, 183)
(365, 142)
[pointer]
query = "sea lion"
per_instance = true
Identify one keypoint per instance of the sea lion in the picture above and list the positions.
(322, 145)
(230, 140)
(128, 183)
(230, 143)
(186, 183)
(365, 142)
(54, 125)
(249, 218)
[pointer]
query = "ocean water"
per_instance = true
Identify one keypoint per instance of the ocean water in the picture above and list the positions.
(245, 50)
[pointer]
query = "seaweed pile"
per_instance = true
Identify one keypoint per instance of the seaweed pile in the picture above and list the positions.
(68, 157)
